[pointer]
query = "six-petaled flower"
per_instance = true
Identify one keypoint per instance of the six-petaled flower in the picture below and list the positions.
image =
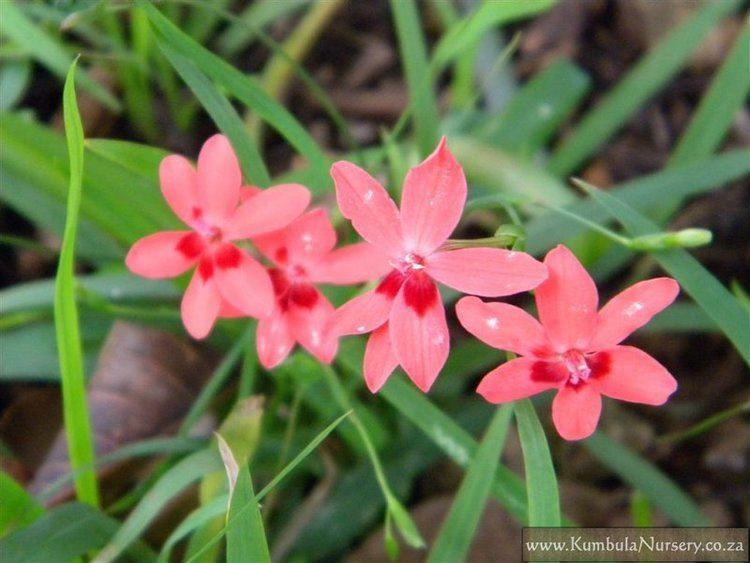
(405, 312)
(303, 255)
(575, 349)
(206, 200)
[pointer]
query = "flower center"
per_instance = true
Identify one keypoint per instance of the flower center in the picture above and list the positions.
(409, 263)
(577, 367)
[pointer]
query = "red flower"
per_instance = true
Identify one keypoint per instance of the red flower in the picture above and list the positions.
(207, 201)
(405, 313)
(575, 349)
(303, 254)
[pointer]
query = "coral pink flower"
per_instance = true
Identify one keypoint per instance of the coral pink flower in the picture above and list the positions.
(303, 254)
(575, 349)
(207, 201)
(405, 313)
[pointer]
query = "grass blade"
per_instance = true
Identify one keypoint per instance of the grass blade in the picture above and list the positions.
(655, 485)
(414, 60)
(67, 330)
(244, 88)
(48, 51)
(223, 114)
(19, 508)
(643, 81)
(246, 538)
(541, 481)
(644, 193)
(705, 289)
(459, 526)
(726, 94)
(65, 533)
(172, 482)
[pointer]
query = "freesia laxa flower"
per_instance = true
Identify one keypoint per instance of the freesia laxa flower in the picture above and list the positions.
(206, 199)
(303, 255)
(575, 349)
(404, 312)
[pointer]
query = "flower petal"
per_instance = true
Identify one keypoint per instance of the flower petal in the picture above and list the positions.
(380, 360)
(489, 272)
(200, 306)
(432, 201)
(576, 411)
(631, 309)
(308, 324)
(219, 179)
(361, 314)
(629, 374)
(179, 186)
(243, 282)
(512, 381)
(350, 264)
(567, 301)
(368, 206)
(164, 255)
(269, 210)
(503, 326)
(419, 332)
(273, 340)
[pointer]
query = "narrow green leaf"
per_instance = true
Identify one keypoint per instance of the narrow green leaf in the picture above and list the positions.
(15, 77)
(644, 80)
(19, 508)
(68, 338)
(223, 114)
(246, 538)
(459, 526)
(65, 533)
(470, 29)
(48, 51)
(655, 485)
(422, 100)
(705, 289)
(644, 193)
(171, 483)
(640, 510)
(541, 481)
(244, 88)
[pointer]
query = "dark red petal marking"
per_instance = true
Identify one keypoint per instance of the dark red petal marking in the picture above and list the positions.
(197, 213)
(206, 268)
(279, 281)
(228, 256)
(391, 284)
(420, 292)
(191, 245)
(303, 295)
(599, 364)
(282, 255)
(549, 372)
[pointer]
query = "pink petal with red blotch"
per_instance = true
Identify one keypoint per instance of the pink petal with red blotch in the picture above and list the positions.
(380, 360)
(419, 332)
(629, 374)
(350, 264)
(432, 201)
(576, 411)
(165, 255)
(246, 192)
(489, 272)
(361, 314)
(512, 381)
(219, 179)
(503, 326)
(179, 186)
(269, 210)
(273, 339)
(243, 282)
(200, 305)
(368, 206)
(631, 309)
(567, 301)
(308, 324)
